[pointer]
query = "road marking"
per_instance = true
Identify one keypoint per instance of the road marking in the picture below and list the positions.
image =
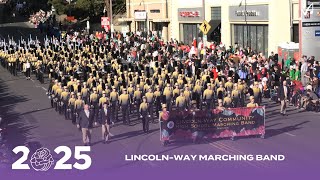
(21, 33)
(151, 164)
(231, 153)
(37, 86)
(238, 151)
(290, 134)
(285, 133)
(235, 151)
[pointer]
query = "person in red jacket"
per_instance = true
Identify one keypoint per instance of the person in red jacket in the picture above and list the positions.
(212, 46)
(194, 43)
(259, 76)
(187, 50)
(215, 73)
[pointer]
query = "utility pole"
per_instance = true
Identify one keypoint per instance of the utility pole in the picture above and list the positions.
(205, 37)
(108, 8)
(204, 9)
(111, 17)
(245, 18)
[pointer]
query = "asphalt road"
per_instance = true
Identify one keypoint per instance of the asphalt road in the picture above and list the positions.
(32, 122)
(20, 30)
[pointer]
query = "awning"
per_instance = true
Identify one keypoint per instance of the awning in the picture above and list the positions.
(161, 20)
(125, 19)
(214, 24)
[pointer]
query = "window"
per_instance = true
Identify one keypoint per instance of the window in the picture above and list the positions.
(258, 36)
(295, 33)
(141, 25)
(190, 31)
(215, 13)
(157, 26)
(155, 11)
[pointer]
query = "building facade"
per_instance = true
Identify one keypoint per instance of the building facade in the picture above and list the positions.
(265, 25)
(149, 15)
(310, 28)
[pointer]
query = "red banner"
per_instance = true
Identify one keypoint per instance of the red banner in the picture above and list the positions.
(230, 122)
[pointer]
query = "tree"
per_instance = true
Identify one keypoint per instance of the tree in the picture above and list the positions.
(84, 5)
(85, 8)
(90, 7)
(59, 5)
(36, 5)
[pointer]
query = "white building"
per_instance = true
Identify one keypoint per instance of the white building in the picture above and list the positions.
(270, 22)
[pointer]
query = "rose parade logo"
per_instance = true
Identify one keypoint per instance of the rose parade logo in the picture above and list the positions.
(41, 160)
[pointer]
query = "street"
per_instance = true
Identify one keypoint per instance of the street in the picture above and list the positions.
(34, 123)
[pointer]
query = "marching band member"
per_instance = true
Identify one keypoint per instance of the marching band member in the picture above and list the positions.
(144, 114)
(124, 102)
(71, 107)
(252, 102)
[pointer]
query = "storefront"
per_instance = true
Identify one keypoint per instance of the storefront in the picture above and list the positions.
(214, 34)
(189, 21)
(310, 28)
(250, 29)
(140, 18)
(160, 27)
(148, 15)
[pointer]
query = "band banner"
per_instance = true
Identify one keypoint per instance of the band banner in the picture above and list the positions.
(230, 122)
